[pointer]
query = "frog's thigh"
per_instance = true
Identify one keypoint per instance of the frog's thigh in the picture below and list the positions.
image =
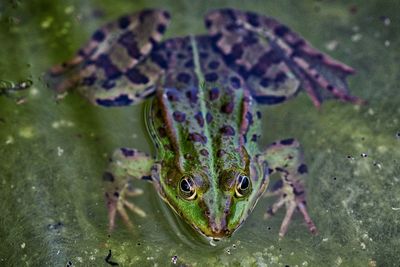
(119, 65)
(285, 157)
(125, 164)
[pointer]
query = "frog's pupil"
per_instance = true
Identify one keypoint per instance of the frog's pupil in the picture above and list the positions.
(185, 186)
(245, 183)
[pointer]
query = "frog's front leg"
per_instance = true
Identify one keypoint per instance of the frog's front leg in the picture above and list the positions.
(285, 157)
(125, 164)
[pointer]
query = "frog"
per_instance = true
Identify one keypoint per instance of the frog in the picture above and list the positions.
(204, 115)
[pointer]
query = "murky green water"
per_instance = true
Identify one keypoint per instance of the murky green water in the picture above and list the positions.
(52, 155)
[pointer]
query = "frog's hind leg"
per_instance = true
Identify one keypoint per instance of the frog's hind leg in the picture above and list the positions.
(275, 61)
(285, 157)
(125, 164)
(119, 65)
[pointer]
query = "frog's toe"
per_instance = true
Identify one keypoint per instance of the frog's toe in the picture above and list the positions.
(292, 199)
(134, 208)
(118, 205)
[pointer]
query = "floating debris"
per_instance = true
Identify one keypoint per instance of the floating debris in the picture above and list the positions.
(174, 259)
(9, 86)
(9, 140)
(356, 37)
(331, 45)
(27, 132)
(386, 20)
(377, 164)
(108, 257)
(60, 151)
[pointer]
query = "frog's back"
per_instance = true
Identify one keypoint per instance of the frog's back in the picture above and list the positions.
(202, 112)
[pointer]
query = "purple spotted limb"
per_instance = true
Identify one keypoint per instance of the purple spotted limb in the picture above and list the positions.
(125, 164)
(117, 66)
(285, 158)
(275, 61)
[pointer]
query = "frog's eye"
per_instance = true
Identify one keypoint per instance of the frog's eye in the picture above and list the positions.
(187, 187)
(242, 185)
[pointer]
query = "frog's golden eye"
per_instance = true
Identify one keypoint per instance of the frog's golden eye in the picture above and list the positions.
(242, 185)
(187, 187)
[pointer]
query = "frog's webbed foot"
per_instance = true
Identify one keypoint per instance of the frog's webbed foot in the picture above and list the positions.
(118, 204)
(119, 65)
(274, 60)
(126, 164)
(285, 157)
(292, 196)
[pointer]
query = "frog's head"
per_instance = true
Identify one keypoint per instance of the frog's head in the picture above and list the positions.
(215, 204)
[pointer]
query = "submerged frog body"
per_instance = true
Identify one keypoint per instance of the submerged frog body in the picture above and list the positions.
(203, 118)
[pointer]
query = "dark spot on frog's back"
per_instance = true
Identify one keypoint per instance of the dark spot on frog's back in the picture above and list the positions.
(213, 65)
(127, 152)
(179, 116)
(159, 60)
(107, 176)
(128, 41)
(236, 53)
(161, 28)
(269, 100)
(214, 93)
(111, 71)
(189, 63)
(265, 82)
(287, 142)
(204, 152)
(108, 84)
(199, 118)
(98, 36)
(302, 169)
(227, 130)
(249, 117)
(124, 22)
(280, 77)
(235, 82)
(197, 137)
(191, 94)
(183, 77)
(88, 81)
(135, 76)
(220, 153)
(172, 95)
(281, 30)
(228, 108)
(209, 117)
(211, 77)
(252, 18)
(122, 100)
